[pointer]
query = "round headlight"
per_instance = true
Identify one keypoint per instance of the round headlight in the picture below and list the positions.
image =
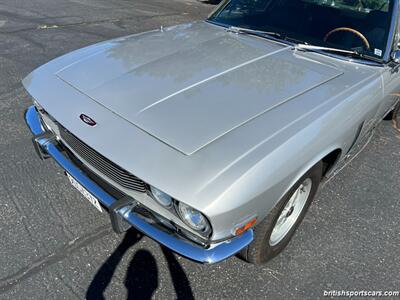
(193, 218)
(161, 197)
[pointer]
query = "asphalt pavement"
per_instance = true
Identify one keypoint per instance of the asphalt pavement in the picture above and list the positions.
(55, 245)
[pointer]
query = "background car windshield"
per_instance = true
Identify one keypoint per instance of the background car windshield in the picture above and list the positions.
(311, 21)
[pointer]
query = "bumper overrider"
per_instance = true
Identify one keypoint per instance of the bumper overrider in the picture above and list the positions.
(121, 210)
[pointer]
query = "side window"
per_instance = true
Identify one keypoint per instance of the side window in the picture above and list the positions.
(396, 42)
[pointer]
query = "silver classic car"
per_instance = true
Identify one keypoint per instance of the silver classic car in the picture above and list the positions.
(212, 138)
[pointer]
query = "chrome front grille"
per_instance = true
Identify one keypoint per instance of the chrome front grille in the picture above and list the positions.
(101, 163)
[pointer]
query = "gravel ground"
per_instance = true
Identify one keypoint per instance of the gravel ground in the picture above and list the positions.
(54, 244)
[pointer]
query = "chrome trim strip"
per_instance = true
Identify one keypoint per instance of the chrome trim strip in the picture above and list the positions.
(215, 254)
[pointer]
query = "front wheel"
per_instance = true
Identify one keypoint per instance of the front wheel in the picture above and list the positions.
(273, 234)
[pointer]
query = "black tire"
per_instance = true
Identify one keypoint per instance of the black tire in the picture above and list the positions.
(260, 251)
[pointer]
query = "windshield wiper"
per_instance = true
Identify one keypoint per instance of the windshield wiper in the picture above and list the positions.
(259, 33)
(352, 53)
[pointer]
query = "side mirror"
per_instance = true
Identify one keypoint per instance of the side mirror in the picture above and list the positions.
(396, 56)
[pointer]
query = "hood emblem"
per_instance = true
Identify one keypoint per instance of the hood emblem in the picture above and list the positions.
(88, 120)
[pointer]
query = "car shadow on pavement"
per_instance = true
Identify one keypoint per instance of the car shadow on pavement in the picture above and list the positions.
(141, 279)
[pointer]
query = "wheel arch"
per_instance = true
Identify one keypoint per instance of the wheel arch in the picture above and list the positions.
(330, 161)
(329, 158)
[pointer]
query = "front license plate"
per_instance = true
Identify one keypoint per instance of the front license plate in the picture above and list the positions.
(85, 193)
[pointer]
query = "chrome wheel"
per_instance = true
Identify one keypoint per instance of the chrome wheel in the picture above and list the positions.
(291, 212)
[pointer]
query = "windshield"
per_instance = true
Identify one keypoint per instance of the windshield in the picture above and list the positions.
(356, 25)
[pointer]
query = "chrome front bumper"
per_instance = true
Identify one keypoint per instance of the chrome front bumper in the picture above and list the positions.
(46, 145)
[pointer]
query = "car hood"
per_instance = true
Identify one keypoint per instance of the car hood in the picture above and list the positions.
(189, 85)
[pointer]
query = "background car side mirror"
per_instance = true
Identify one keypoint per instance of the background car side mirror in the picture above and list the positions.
(396, 56)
